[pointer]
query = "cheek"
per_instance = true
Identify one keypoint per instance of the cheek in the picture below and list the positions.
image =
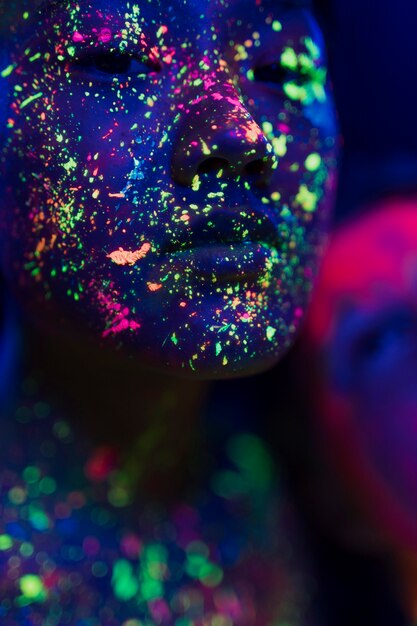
(70, 160)
(304, 185)
(305, 144)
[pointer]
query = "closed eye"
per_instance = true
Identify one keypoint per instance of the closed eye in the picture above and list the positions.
(114, 64)
(278, 74)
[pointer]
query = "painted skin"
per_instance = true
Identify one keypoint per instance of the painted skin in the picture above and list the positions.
(128, 183)
(168, 173)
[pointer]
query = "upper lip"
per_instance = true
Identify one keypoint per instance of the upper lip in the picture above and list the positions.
(224, 226)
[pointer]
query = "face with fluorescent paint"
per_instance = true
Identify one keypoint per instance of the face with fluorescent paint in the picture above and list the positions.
(168, 171)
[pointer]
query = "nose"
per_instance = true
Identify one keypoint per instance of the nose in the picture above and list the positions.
(218, 134)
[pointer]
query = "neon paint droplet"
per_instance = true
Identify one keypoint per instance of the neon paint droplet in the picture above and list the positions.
(312, 162)
(32, 587)
(6, 542)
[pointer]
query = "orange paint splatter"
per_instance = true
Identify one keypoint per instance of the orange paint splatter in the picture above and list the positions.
(41, 246)
(154, 286)
(125, 257)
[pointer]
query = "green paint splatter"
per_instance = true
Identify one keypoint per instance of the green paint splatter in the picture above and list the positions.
(307, 199)
(312, 162)
(270, 333)
(30, 99)
(32, 588)
(7, 71)
(6, 542)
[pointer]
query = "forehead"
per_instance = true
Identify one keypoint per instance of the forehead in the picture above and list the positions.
(14, 12)
(198, 21)
(161, 3)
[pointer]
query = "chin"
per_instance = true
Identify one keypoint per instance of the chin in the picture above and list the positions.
(194, 357)
(215, 336)
(203, 349)
(207, 367)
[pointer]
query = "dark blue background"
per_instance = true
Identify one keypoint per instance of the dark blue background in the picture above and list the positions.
(373, 55)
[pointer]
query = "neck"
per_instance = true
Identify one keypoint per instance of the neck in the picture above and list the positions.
(150, 419)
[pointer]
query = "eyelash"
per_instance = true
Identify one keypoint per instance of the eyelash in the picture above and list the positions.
(278, 74)
(115, 64)
(108, 65)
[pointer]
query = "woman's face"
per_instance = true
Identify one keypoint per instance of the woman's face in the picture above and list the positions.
(168, 170)
(366, 306)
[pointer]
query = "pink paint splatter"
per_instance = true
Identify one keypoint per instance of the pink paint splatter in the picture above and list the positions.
(119, 315)
(105, 35)
(103, 461)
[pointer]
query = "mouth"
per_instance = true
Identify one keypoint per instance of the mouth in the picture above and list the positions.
(223, 263)
(228, 245)
(237, 226)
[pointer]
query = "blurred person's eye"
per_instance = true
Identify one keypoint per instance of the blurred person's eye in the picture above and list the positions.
(369, 343)
(391, 336)
(114, 64)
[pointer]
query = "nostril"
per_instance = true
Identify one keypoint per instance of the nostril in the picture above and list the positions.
(255, 168)
(212, 164)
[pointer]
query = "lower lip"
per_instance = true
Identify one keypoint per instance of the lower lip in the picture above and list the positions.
(223, 263)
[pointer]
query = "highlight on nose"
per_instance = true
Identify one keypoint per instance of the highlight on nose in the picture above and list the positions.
(227, 151)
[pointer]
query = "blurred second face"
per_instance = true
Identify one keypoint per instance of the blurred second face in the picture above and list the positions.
(363, 331)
